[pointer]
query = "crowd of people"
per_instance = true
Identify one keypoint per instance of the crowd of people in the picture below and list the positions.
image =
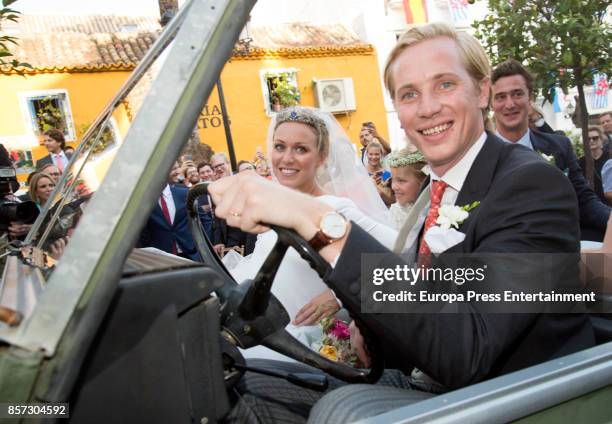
(523, 178)
(516, 191)
(40, 183)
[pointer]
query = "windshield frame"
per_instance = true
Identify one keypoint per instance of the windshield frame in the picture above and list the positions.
(93, 135)
(86, 277)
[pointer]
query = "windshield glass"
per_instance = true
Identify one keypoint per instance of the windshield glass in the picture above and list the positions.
(88, 167)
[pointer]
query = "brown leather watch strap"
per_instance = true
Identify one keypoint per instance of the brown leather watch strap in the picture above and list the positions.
(319, 241)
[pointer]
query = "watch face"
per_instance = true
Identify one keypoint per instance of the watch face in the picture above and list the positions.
(333, 225)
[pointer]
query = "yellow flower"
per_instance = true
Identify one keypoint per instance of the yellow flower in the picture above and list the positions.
(329, 352)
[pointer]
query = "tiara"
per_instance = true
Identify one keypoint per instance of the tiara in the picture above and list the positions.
(397, 160)
(308, 117)
(301, 115)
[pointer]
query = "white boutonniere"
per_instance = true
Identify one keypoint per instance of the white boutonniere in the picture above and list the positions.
(443, 236)
(548, 158)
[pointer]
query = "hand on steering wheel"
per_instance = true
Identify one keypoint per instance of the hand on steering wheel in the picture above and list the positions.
(252, 316)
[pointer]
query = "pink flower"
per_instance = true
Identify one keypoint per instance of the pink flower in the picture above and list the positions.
(340, 330)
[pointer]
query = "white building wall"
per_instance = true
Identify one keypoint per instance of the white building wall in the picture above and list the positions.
(377, 22)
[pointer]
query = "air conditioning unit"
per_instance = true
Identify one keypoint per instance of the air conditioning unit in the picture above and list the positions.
(335, 95)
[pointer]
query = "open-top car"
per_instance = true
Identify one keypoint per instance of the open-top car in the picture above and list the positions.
(132, 335)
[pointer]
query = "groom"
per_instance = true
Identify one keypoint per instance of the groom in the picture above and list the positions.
(441, 106)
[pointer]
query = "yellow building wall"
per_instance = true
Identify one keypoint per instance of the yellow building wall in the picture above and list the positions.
(89, 92)
(244, 98)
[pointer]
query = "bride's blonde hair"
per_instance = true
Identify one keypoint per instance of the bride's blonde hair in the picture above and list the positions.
(307, 117)
(340, 173)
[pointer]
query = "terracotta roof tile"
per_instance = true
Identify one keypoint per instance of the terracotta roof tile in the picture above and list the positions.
(119, 42)
(85, 24)
(48, 42)
(297, 34)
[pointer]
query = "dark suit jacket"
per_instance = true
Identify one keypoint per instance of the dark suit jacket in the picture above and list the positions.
(545, 128)
(206, 217)
(158, 233)
(597, 167)
(516, 214)
(594, 213)
(47, 160)
(220, 236)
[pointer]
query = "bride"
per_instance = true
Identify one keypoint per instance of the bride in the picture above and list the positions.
(309, 152)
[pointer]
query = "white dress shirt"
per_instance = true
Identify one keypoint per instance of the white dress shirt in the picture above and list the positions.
(455, 177)
(169, 202)
(525, 140)
(62, 157)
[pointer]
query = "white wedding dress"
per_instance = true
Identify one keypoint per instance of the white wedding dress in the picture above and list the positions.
(296, 283)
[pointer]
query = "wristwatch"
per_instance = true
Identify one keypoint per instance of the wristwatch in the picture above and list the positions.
(333, 226)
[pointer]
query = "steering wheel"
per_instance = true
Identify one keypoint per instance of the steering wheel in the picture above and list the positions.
(252, 316)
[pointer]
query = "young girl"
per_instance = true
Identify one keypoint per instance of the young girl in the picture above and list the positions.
(408, 173)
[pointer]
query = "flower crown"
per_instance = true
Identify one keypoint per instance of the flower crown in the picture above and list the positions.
(304, 116)
(398, 160)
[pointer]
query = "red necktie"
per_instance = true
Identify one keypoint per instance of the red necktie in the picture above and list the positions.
(166, 213)
(437, 191)
(59, 163)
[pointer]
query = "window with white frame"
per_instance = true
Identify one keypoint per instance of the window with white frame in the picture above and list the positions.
(43, 110)
(108, 139)
(280, 88)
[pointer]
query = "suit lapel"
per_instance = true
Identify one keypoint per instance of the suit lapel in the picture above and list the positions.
(421, 203)
(160, 215)
(475, 186)
(539, 144)
(478, 180)
(177, 206)
(542, 143)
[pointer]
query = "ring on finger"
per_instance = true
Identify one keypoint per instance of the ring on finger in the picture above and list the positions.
(235, 214)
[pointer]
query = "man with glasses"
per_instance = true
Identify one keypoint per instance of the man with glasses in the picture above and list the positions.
(220, 164)
(512, 91)
(600, 156)
(53, 171)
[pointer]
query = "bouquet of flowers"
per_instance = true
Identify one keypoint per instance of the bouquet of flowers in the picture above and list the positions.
(336, 343)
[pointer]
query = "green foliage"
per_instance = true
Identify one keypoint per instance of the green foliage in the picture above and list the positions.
(282, 89)
(8, 14)
(577, 145)
(49, 115)
(563, 42)
(107, 139)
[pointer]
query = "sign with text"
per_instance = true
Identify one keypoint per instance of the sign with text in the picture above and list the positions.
(210, 117)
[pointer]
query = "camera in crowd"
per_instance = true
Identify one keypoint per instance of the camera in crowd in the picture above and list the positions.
(11, 210)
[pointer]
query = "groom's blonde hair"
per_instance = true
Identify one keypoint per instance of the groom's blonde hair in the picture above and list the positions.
(471, 52)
